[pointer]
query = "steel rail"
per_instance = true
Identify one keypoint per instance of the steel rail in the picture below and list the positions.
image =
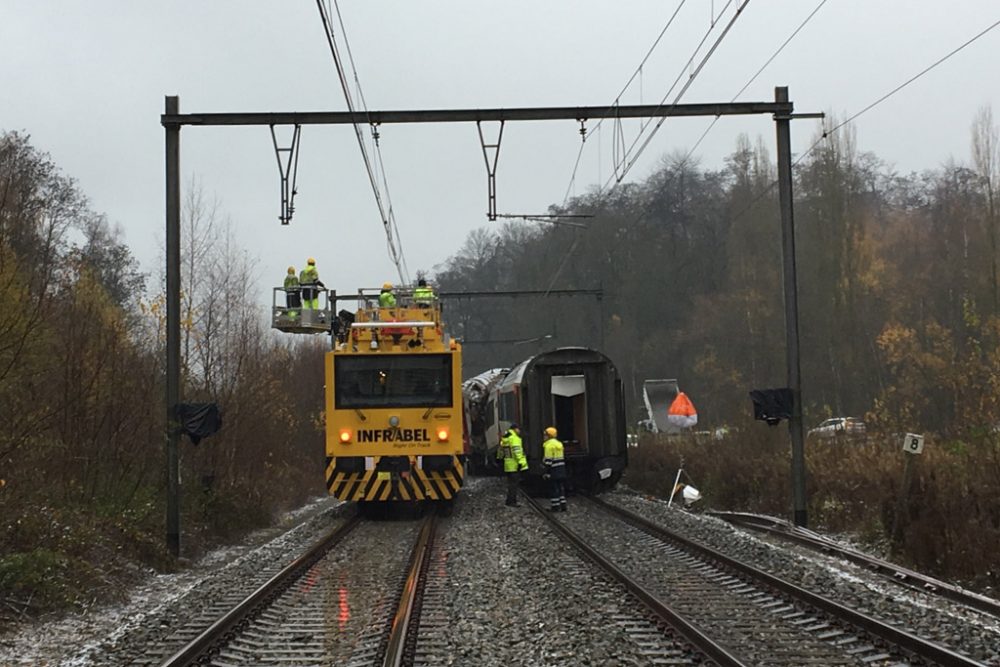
(688, 631)
(897, 574)
(246, 610)
(900, 638)
(407, 610)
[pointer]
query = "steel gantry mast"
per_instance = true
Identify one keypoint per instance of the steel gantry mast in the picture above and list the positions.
(172, 120)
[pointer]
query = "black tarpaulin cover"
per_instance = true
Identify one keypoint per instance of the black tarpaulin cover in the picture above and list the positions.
(772, 405)
(199, 420)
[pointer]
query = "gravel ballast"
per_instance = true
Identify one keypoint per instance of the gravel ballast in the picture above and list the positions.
(968, 631)
(507, 592)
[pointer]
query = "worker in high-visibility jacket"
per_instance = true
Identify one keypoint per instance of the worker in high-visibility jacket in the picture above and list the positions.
(423, 295)
(386, 299)
(293, 299)
(511, 451)
(310, 284)
(554, 460)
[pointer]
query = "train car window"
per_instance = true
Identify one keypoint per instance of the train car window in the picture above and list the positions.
(393, 381)
(508, 407)
(490, 415)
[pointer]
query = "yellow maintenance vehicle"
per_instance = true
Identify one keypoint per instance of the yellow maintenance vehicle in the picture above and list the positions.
(394, 413)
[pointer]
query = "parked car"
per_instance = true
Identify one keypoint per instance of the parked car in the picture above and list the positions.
(838, 426)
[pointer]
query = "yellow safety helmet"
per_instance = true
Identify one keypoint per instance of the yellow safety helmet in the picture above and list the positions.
(551, 432)
(310, 261)
(291, 270)
(386, 285)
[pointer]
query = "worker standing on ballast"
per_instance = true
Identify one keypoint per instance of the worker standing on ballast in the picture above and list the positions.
(554, 460)
(293, 299)
(386, 299)
(514, 462)
(424, 295)
(310, 283)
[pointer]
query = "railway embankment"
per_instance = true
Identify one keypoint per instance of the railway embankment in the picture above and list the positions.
(947, 526)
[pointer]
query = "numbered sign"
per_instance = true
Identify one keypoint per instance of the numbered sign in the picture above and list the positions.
(913, 443)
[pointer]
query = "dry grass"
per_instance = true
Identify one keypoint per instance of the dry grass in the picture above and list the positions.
(951, 526)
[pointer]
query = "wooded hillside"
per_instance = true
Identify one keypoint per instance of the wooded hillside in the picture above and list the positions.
(898, 295)
(82, 465)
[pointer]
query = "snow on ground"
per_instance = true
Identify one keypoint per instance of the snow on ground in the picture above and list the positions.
(72, 640)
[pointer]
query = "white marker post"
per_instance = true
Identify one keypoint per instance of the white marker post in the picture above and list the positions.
(673, 491)
(913, 444)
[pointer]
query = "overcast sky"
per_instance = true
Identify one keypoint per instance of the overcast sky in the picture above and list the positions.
(86, 79)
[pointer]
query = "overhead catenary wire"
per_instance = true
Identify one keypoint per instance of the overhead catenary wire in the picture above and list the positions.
(404, 274)
(385, 209)
(691, 78)
(826, 134)
(757, 74)
(615, 176)
(898, 88)
(636, 73)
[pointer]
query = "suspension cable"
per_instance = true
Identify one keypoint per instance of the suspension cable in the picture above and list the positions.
(617, 177)
(754, 77)
(385, 209)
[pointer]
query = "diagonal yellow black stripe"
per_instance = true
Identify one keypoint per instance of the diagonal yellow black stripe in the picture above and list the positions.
(368, 488)
(422, 481)
(341, 480)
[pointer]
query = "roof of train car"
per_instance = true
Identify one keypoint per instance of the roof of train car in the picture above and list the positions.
(566, 355)
(486, 378)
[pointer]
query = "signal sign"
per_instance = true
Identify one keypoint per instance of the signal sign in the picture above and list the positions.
(913, 443)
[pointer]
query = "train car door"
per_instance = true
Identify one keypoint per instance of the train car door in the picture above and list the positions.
(491, 428)
(569, 410)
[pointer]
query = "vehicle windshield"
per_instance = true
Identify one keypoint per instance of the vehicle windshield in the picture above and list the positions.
(392, 381)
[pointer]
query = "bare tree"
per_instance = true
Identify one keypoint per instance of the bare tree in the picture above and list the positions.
(986, 161)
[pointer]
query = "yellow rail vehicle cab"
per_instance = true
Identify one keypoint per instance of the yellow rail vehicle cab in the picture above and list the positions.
(394, 427)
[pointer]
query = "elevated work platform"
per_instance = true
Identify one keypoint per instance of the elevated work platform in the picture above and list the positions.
(288, 315)
(412, 324)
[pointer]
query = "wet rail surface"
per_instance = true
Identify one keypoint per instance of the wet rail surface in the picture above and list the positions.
(758, 617)
(897, 574)
(674, 639)
(351, 600)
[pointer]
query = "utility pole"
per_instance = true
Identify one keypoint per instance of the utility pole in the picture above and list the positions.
(782, 122)
(173, 326)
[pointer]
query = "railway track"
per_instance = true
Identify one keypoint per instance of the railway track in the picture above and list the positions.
(757, 617)
(899, 575)
(678, 629)
(329, 606)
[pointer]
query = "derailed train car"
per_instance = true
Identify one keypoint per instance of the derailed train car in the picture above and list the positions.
(578, 390)
(481, 420)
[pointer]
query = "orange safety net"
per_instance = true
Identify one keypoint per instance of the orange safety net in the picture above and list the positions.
(682, 406)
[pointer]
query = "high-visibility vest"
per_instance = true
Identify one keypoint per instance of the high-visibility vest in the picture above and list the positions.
(386, 299)
(553, 458)
(512, 452)
(423, 295)
(309, 276)
(291, 282)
